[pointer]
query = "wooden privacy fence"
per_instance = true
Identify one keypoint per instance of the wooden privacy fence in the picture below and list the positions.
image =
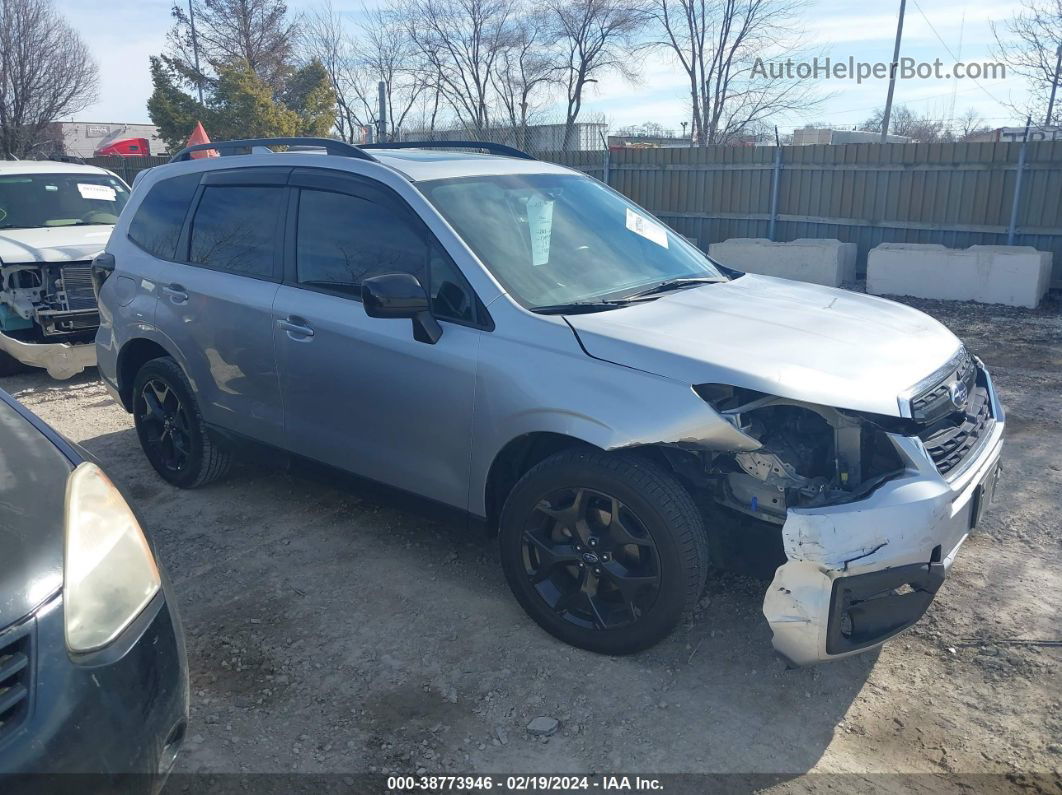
(955, 194)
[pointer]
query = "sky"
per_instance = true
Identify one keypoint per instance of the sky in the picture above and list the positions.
(946, 29)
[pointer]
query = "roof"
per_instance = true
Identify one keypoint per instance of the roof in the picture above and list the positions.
(47, 167)
(415, 165)
(426, 164)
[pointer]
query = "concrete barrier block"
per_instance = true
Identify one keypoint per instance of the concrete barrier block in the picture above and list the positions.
(819, 261)
(1011, 275)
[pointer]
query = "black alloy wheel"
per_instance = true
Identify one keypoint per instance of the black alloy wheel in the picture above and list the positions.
(606, 551)
(166, 426)
(172, 432)
(590, 559)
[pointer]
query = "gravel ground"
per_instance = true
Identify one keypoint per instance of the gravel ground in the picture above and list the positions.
(334, 627)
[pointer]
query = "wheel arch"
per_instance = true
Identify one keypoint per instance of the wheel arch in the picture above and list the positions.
(516, 458)
(133, 355)
(522, 453)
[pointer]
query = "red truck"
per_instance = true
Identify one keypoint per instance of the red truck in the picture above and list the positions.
(125, 147)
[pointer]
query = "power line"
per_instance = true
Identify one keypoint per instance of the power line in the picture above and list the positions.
(954, 57)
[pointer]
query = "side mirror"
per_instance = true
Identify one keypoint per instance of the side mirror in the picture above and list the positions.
(102, 267)
(400, 295)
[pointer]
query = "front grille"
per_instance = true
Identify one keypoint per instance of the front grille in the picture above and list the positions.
(951, 440)
(15, 672)
(935, 402)
(77, 285)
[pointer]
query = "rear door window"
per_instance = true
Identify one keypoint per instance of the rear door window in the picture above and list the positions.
(156, 227)
(235, 229)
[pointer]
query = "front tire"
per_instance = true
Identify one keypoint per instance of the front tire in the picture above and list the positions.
(171, 429)
(605, 551)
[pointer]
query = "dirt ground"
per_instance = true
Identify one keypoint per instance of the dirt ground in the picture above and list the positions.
(335, 627)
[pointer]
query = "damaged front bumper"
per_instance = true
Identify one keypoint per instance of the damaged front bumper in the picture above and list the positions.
(859, 573)
(61, 359)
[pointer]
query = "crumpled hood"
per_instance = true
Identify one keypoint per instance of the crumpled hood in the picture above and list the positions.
(791, 339)
(53, 243)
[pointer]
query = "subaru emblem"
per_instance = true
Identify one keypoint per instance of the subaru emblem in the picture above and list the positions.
(959, 394)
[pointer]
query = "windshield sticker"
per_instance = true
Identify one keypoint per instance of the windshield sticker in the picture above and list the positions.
(540, 225)
(641, 225)
(98, 192)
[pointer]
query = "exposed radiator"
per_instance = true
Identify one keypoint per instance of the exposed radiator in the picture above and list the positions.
(77, 285)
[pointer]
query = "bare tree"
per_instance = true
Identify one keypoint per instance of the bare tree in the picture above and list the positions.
(720, 45)
(1028, 42)
(460, 42)
(386, 53)
(324, 38)
(904, 121)
(46, 72)
(378, 50)
(230, 31)
(594, 37)
(523, 73)
(969, 124)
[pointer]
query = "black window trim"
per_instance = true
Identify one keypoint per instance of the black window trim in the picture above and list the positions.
(260, 176)
(320, 179)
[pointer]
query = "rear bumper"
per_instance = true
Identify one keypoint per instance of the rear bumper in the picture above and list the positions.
(61, 359)
(860, 573)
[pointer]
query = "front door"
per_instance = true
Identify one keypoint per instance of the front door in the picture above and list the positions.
(361, 393)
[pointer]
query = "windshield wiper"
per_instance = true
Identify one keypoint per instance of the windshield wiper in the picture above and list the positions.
(676, 284)
(581, 307)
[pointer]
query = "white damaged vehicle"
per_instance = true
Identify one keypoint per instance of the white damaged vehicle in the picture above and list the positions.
(54, 217)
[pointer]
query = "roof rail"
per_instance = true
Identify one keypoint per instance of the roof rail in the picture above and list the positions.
(226, 148)
(493, 148)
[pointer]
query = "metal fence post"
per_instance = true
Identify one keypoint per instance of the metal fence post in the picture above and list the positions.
(607, 157)
(1016, 203)
(774, 190)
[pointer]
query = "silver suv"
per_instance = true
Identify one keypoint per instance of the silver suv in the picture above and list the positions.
(517, 340)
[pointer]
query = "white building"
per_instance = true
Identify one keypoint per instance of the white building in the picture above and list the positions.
(83, 138)
(808, 136)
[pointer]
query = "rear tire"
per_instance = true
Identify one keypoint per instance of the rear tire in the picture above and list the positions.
(605, 551)
(171, 429)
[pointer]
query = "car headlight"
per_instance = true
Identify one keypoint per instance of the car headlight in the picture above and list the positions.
(109, 572)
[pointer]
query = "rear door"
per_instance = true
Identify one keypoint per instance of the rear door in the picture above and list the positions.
(359, 392)
(216, 304)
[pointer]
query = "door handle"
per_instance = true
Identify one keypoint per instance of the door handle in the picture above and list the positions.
(176, 293)
(296, 328)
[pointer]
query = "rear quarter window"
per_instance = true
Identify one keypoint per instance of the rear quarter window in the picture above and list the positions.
(157, 224)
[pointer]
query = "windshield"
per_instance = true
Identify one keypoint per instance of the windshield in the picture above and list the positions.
(557, 239)
(36, 200)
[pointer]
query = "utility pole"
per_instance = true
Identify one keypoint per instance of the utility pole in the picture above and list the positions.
(195, 52)
(381, 113)
(892, 74)
(1054, 88)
